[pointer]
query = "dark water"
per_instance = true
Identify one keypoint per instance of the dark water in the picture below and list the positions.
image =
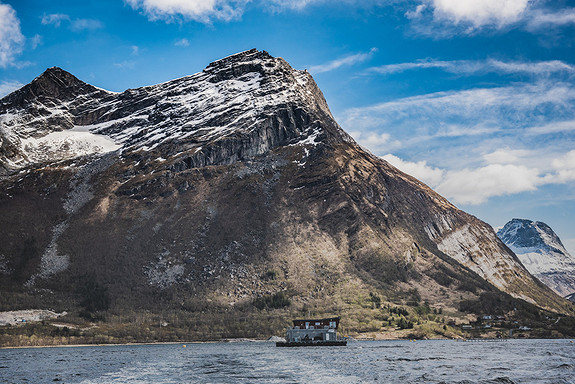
(516, 361)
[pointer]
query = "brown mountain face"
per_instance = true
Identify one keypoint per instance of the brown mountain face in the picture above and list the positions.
(223, 199)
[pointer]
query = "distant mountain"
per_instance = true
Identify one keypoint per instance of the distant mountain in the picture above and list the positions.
(541, 252)
(232, 191)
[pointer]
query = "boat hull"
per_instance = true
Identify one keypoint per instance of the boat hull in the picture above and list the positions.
(335, 343)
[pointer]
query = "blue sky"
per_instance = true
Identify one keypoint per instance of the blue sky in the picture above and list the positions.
(475, 98)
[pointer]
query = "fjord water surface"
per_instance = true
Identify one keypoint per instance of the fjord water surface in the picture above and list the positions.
(443, 361)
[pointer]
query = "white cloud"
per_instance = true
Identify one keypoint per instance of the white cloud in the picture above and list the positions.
(182, 43)
(420, 170)
(11, 38)
(564, 168)
(76, 25)
(127, 64)
(198, 10)
(420, 64)
(135, 50)
(446, 18)
(457, 130)
(475, 186)
(543, 19)
(417, 13)
(510, 106)
(299, 5)
(344, 61)
(36, 41)
(472, 185)
(7, 87)
(471, 67)
(508, 156)
(293, 4)
(480, 13)
(79, 25)
(374, 141)
(506, 172)
(55, 19)
(553, 127)
(535, 68)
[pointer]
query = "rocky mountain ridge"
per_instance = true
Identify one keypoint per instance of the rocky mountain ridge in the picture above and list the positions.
(236, 98)
(541, 252)
(221, 190)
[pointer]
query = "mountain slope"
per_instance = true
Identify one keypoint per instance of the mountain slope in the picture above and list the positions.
(542, 253)
(221, 191)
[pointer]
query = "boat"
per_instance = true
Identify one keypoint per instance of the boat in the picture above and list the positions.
(313, 333)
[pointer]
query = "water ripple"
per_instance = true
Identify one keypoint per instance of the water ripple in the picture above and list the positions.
(435, 362)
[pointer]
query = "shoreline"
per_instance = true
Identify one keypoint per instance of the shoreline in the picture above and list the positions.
(245, 340)
(222, 341)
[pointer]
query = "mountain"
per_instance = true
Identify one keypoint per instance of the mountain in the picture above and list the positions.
(542, 253)
(223, 199)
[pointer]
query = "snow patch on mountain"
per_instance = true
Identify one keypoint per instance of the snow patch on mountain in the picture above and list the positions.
(68, 144)
(312, 139)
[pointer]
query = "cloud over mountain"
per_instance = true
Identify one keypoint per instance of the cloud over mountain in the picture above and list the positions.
(11, 38)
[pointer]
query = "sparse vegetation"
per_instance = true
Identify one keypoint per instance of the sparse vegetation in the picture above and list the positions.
(404, 324)
(270, 275)
(95, 298)
(277, 300)
(375, 299)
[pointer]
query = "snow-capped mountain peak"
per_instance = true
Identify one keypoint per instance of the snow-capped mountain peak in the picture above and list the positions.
(526, 234)
(541, 252)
